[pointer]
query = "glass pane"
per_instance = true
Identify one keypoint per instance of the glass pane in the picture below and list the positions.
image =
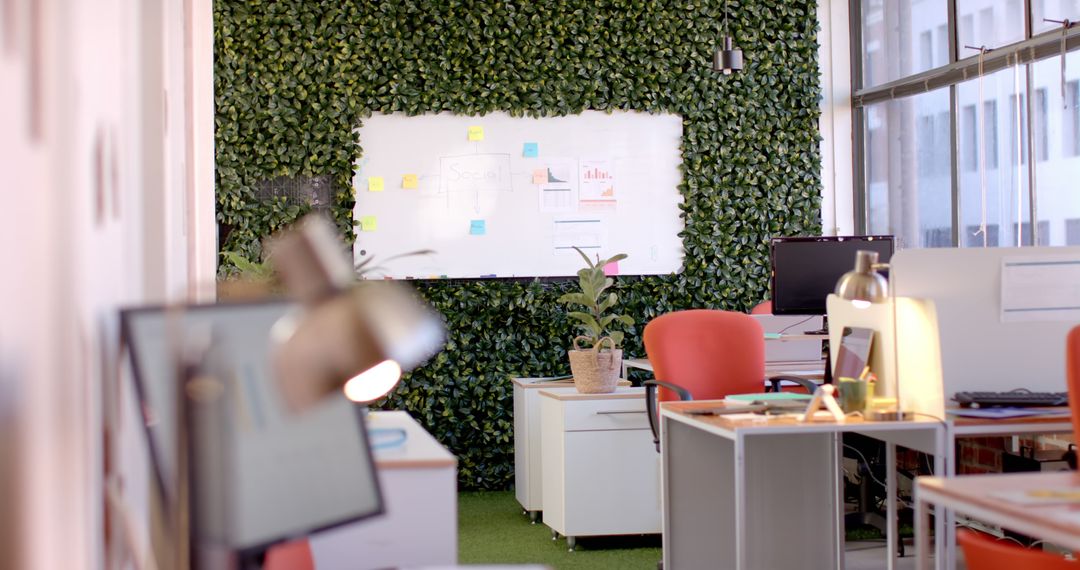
(989, 23)
(993, 168)
(902, 37)
(908, 165)
(1056, 125)
(1054, 10)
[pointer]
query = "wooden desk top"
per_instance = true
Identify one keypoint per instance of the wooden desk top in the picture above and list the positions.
(620, 393)
(1000, 499)
(781, 423)
(536, 383)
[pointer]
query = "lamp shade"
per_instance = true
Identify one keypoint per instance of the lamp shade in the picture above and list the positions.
(863, 285)
(727, 58)
(356, 337)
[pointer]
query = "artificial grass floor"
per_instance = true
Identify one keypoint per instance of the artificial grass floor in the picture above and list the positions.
(493, 530)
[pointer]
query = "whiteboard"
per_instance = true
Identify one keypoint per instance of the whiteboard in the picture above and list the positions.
(502, 196)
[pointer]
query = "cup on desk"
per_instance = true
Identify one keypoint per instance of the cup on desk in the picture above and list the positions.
(854, 394)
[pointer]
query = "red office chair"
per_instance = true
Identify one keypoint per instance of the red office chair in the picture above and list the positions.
(705, 354)
(295, 555)
(982, 552)
(762, 308)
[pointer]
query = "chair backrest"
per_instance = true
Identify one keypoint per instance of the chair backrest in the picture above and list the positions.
(294, 555)
(710, 353)
(762, 308)
(1072, 375)
(982, 552)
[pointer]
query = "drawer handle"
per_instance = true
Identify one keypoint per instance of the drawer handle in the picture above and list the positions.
(620, 412)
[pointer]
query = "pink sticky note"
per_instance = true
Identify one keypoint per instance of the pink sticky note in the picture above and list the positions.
(540, 176)
(611, 268)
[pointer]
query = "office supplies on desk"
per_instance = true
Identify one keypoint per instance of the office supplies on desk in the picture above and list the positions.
(1013, 398)
(770, 397)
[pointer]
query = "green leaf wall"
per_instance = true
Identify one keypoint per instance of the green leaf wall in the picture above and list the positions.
(294, 78)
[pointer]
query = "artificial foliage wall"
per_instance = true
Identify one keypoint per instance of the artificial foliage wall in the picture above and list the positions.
(294, 79)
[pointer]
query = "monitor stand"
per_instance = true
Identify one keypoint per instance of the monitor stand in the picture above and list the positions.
(824, 330)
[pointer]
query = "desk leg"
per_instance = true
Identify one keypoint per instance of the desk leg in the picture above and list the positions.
(946, 541)
(922, 534)
(698, 498)
(892, 532)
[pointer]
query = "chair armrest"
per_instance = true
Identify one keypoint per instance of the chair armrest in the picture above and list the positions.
(651, 406)
(809, 385)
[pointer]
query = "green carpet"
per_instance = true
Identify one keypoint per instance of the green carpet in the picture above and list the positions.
(493, 530)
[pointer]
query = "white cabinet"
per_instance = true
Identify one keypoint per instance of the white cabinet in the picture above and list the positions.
(419, 486)
(600, 469)
(528, 484)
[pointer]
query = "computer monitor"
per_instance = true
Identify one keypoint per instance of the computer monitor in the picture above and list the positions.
(805, 269)
(260, 474)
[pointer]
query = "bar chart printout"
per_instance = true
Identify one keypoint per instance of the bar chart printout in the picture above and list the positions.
(597, 185)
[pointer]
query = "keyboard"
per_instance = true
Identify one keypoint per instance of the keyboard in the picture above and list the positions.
(1015, 398)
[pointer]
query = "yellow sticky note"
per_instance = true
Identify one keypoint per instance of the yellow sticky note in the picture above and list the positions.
(369, 224)
(409, 181)
(476, 133)
(375, 184)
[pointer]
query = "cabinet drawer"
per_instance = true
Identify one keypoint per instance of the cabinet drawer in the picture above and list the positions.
(623, 413)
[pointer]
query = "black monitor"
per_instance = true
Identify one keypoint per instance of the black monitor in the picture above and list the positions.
(805, 269)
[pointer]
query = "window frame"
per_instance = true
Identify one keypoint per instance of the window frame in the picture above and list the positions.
(1030, 49)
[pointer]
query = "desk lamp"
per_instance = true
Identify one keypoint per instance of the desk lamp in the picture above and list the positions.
(356, 336)
(864, 286)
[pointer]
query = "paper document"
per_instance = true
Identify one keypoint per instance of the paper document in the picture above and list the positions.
(1034, 289)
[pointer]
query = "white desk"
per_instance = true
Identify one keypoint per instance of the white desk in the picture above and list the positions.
(974, 495)
(959, 427)
(600, 469)
(766, 493)
(419, 486)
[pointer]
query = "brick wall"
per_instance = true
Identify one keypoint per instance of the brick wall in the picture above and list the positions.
(983, 454)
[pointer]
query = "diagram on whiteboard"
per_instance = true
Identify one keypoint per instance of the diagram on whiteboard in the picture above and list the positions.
(597, 189)
(503, 196)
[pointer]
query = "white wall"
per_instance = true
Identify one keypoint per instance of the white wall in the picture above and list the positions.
(83, 184)
(834, 56)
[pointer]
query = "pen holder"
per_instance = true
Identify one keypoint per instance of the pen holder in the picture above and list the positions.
(854, 394)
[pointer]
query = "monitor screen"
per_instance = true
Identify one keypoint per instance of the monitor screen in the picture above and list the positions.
(805, 269)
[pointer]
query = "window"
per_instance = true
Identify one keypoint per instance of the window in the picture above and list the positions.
(1072, 231)
(904, 197)
(990, 133)
(1038, 126)
(1025, 233)
(974, 237)
(1070, 127)
(969, 146)
(890, 29)
(946, 146)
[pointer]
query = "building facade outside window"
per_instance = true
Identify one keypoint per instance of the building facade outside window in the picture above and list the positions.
(948, 109)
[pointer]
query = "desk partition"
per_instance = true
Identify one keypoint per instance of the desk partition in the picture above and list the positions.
(983, 344)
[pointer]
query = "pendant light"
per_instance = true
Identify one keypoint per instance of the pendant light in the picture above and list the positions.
(727, 58)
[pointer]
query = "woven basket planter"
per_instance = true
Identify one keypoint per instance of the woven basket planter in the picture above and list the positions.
(595, 371)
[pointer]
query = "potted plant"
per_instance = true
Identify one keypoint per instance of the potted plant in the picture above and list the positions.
(596, 368)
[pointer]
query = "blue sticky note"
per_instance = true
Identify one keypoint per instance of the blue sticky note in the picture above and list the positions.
(477, 227)
(531, 150)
